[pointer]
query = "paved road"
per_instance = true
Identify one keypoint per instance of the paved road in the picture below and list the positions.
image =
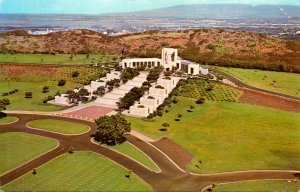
(171, 177)
(240, 83)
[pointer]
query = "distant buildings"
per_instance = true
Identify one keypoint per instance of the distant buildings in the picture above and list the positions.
(43, 32)
(169, 61)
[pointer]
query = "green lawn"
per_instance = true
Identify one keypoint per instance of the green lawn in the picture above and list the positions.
(57, 59)
(287, 83)
(19, 102)
(136, 154)
(259, 186)
(8, 119)
(18, 148)
(229, 136)
(81, 171)
(63, 127)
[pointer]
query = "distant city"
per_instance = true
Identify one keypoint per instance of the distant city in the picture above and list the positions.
(117, 25)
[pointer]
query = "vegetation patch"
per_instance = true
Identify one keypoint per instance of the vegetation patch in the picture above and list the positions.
(59, 126)
(18, 148)
(208, 90)
(62, 174)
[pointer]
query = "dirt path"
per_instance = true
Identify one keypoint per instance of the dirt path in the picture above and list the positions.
(172, 177)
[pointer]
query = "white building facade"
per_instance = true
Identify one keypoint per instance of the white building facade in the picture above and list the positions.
(169, 61)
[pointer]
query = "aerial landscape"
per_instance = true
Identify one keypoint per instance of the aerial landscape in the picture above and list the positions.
(140, 95)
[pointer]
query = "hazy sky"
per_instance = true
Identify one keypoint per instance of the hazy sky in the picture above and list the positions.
(109, 6)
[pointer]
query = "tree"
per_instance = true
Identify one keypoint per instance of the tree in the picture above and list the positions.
(75, 74)
(2, 107)
(61, 82)
(111, 130)
(28, 95)
(200, 101)
(45, 89)
(154, 74)
(100, 91)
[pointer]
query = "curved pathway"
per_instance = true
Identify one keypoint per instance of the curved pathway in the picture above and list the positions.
(171, 177)
(240, 83)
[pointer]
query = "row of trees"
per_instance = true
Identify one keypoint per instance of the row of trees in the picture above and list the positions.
(154, 74)
(128, 74)
(133, 95)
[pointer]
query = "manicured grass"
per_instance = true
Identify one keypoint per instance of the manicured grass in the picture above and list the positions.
(136, 154)
(230, 136)
(19, 102)
(59, 126)
(8, 119)
(287, 83)
(81, 171)
(57, 59)
(259, 186)
(18, 148)
(209, 90)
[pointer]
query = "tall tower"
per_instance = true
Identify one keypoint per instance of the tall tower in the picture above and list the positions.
(169, 58)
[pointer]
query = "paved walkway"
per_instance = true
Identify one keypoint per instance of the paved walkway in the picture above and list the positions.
(171, 178)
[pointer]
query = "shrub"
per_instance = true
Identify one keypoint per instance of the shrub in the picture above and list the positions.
(5, 102)
(177, 119)
(159, 87)
(200, 101)
(28, 95)
(166, 125)
(163, 129)
(75, 74)
(175, 100)
(151, 97)
(45, 89)
(61, 82)
(2, 115)
(179, 115)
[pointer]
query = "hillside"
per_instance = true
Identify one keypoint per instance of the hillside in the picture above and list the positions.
(220, 11)
(215, 47)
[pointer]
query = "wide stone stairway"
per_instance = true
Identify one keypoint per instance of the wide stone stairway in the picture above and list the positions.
(110, 99)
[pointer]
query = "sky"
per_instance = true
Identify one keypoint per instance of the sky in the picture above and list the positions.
(110, 6)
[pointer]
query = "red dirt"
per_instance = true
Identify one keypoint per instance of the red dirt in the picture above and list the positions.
(179, 155)
(92, 112)
(268, 100)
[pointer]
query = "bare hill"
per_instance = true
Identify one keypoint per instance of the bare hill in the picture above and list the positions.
(215, 47)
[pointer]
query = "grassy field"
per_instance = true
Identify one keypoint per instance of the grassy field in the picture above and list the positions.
(19, 102)
(136, 154)
(228, 136)
(58, 126)
(8, 119)
(259, 186)
(81, 171)
(57, 59)
(18, 148)
(287, 83)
